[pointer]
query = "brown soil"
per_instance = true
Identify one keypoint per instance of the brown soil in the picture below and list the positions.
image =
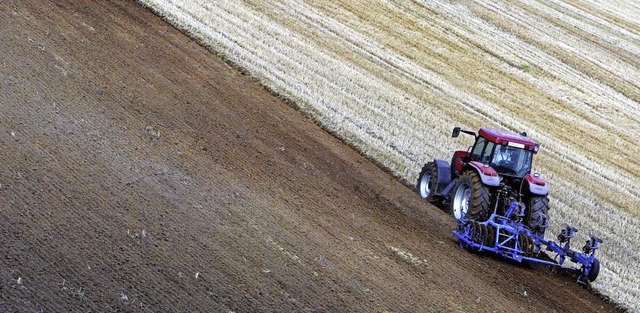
(141, 173)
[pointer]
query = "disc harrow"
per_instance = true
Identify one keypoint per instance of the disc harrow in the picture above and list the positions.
(507, 237)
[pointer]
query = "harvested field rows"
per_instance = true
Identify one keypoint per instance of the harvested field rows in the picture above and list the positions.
(394, 77)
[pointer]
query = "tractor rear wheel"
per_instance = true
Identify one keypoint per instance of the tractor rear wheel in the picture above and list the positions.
(538, 218)
(471, 198)
(427, 182)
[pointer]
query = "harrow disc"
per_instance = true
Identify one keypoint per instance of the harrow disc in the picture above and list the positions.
(480, 234)
(532, 246)
(483, 235)
(526, 245)
(521, 243)
(491, 236)
(474, 231)
(466, 230)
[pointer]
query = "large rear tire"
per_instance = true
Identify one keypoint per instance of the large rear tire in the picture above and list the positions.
(471, 198)
(427, 182)
(538, 218)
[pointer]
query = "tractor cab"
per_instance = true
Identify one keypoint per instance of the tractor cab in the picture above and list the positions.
(509, 154)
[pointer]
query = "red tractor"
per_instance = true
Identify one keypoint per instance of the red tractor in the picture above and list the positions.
(487, 178)
(500, 206)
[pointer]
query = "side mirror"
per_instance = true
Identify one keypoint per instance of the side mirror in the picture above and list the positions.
(456, 132)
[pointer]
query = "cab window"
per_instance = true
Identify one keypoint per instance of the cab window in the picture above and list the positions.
(487, 152)
(478, 148)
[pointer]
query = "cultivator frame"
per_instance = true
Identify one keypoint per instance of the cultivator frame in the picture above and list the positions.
(508, 237)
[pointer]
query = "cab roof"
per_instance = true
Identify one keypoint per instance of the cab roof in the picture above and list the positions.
(504, 137)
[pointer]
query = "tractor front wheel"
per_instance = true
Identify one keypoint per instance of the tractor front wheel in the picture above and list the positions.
(471, 198)
(427, 182)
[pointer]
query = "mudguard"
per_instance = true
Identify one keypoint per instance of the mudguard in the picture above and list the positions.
(488, 175)
(537, 185)
(458, 160)
(444, 175)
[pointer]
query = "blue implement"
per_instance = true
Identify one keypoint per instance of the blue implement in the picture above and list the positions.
(508, 237)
